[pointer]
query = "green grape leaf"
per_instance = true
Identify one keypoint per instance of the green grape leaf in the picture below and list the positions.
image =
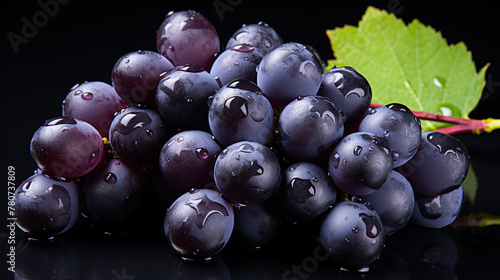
(409, 64)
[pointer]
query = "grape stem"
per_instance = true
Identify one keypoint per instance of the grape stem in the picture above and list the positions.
(459, 125)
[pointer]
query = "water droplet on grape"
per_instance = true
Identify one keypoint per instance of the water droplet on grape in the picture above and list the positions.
(335, 160)
(193, 190)
(386, 133)
(291, 168)
(87, 96)
(372, 225)
(110, 178)
(180, 139)
(347, 240)
(355, 230)
(395, 155)
(202, 153)
(357, 150)
(246, 148)
(78, 92)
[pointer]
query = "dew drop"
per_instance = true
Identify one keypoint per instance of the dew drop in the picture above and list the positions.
(357, 150)
(246, 148)
(202, 153)
(395, 155)
(347, 240)
(193, 190)
(93, 157)
(150, 133)
(355, 230)
(110, 178)
(180, 139)
(335, 160)
(291, 168)
(386, 133)
(78, 92)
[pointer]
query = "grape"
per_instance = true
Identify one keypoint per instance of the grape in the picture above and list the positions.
(349, 91)
(93, 102)
(46, 205)
(114, 193)
(393, 201)
(309, 126)
(66, 147)
(247, 172)
(238, 61)
(259, 35)
(135, 76)
(437, 211)
(239, 111)
(439, 166)
(360, 163)
(353, 235)
(306, 192)
(198, 224)
(186, 153)
(137, 135)
(399, 126)
(257, 224)
(182, 96)
(187, 37)
(288, 71)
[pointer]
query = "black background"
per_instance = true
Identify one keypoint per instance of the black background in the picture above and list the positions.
(82, 40)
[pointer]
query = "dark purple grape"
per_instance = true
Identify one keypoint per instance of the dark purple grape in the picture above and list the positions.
(257, 224)
(186, 154)
(247, 172)
(47, 206)
(114, 194)
(309, 127)
(288, 71)
(182, 96)
(238, 61)
(399, 126)
(353, 235)
(137, 135)
(187, 37)
(259, 35)
(240, 112)
(306, 192)
(393, 201)
(437, 211)
(199, 224)
(66, 147)
(439, 166)
(349, 91)
(360, 163)
(93, 102)
(135, 76)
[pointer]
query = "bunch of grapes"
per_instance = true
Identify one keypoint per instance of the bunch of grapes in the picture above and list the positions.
(232, 133)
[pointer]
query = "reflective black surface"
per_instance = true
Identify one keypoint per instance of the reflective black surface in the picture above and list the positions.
(75, 41)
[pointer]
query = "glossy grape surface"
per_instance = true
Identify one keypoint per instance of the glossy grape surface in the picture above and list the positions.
(239, 111)
(259, 35)
(66, 147)
(399, 126)
(238, 61)
(437, 211)
(306, 192)
(288, 71)
(187, 153)
(94, 102)
(353, 235)
(198, 224)
(439, 166)
(187, 37)
(309, 126)
(393, 201)
(360, 163)
(349, 91)
(114, 193)
(137, 135)
(247, 172)
(135, 76)
(46, 206)
(182, 96)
